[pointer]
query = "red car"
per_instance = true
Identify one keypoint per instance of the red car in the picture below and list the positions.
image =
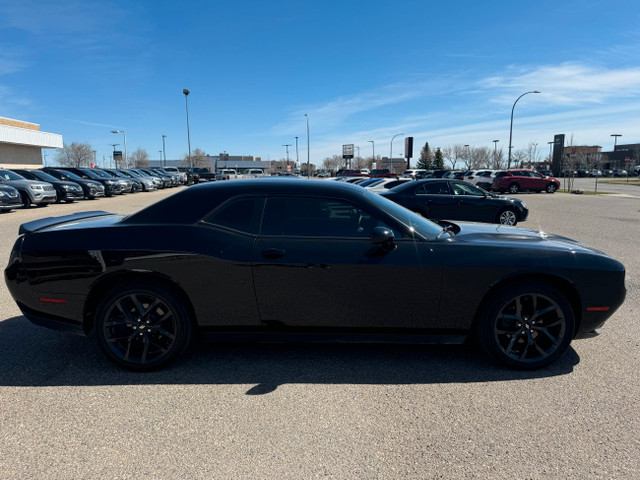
(513, 181)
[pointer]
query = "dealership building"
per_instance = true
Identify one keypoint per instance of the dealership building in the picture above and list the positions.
(21, 144)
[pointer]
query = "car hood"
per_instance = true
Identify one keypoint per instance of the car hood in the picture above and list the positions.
(508, 237)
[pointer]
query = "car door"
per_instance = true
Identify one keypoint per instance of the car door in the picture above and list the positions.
(314, 266)
(471, 203)
(436, 199)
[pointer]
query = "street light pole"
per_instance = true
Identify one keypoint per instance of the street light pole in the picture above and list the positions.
(550, 152)
(308, 156)
(125, 146)
(297, 159)
(164, 151)
(391, 152)
(495, 152)
(286, 146)
(511, 127)
(186, 104)
(615, 140)
(373, 147)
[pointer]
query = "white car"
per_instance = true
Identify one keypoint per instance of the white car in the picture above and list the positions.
(481, 178)
(385, 184)
(412, 173)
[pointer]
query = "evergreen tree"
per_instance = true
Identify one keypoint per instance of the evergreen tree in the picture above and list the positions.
(426, 158)
(438, 162)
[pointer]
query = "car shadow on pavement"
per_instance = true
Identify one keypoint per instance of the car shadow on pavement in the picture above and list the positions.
(35, 356)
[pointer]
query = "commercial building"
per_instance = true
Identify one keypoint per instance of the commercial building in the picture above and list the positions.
(21, 143)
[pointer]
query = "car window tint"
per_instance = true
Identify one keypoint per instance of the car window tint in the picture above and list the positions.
(316, 217)
(434, 188)
(465, 189)
(242, 214)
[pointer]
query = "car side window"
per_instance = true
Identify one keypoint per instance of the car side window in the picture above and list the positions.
(242, 214)
(433, 188)
(316, 217)
(465, 189)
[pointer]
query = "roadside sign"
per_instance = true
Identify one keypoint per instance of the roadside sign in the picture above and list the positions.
(627, 159)
(347, 151)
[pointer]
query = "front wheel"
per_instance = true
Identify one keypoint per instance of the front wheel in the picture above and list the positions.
(507, 217)
(526, 326)
(551, 188)
(142, 327)
(514, 188)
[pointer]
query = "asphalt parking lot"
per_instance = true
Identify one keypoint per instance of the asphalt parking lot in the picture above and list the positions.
(330, 411)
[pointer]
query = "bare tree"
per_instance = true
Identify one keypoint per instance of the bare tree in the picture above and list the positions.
(332, 164)
(75, 155)
(532, 153)
(518, 157)
(137, 159)
(480, 157)
(198, 159)
(497, 159)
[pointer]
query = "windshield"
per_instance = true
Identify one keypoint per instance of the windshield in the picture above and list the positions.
(415, 222)
(69, 175)
(44, 176)
(9, 175)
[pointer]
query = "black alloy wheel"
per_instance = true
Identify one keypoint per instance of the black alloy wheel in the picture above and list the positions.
(507, 217)
(142, 327)
(527, 326)
(551, 188)
(514, 188)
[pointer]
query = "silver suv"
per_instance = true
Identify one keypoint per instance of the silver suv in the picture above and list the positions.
(31, 191)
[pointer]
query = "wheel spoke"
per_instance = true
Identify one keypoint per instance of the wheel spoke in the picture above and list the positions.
(162, 319)
(164, 332)
(145, 350)
(139, 308)
(546, 332)
(124, 311)
(151, 307)
(119, 321)
(510, 346)
(543, 311)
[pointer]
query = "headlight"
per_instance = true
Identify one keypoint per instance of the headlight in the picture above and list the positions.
(110, 182)
(36, 187)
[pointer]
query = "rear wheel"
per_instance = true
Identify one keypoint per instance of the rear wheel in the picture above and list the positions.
(507, 217)
(142, 327)
(526, 326)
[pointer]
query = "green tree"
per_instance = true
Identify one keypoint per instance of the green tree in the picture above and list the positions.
(438, 161)
(426, 157)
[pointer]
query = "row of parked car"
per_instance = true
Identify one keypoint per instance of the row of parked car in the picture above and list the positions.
(22, 188)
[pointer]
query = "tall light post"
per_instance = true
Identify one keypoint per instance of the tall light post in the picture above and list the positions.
(125, 146)
(286, 146)
(186, 104)
(297, 159)
(373, 149)
(615, 140)
(164, 152)
(550, 151)
(391, 152)
(495, 152)
(511, 128)
(308, 151)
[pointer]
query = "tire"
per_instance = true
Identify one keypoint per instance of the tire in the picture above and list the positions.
(514, 188)
(26, 201)
(142, 327)
(526, 326)
(507, 217)
(551, 188)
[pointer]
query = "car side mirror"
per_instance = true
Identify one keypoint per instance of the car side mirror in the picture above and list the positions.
(383, 237)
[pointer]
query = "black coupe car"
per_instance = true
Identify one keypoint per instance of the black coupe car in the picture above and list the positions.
(448, 199)
(271, 256)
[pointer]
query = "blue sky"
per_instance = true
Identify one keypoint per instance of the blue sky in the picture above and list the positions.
(442, 72)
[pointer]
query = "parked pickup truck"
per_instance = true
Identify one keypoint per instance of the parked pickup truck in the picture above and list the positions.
(232, 174)
(201, 174)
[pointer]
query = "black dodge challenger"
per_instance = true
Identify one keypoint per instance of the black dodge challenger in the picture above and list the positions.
(275, 256)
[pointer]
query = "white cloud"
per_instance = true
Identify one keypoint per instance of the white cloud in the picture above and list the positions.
(567, 84)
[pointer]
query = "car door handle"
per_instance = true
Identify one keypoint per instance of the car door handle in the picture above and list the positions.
(272, 253)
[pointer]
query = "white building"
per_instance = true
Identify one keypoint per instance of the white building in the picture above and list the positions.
(21, 143)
